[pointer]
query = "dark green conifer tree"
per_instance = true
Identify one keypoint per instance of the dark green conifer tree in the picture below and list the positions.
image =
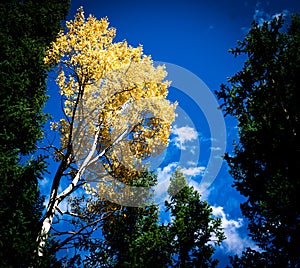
(264, 97)
(26, 28)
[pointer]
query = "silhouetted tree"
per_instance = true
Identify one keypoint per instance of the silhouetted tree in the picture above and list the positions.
(135, 237)
(193, 231)
(26, 29)
(264, 96)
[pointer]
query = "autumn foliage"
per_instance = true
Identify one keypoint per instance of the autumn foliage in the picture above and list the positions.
(115, 107)
(111, 89)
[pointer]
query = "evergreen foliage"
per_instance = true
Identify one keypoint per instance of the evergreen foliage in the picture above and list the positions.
(136, 237)
(264, 96)
(26, 29)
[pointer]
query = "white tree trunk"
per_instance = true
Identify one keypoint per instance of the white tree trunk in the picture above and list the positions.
(55, 201)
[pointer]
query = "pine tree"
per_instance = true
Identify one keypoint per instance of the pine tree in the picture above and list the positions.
(193, 230)
(136, 237)
(26, 29)
(264, 97)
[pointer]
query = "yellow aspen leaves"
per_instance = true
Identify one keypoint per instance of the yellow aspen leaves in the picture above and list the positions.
(113, 96)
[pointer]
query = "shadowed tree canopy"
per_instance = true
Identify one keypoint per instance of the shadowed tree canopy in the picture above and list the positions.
(136, 237)
(194, 231)
(26, 29)
(264, 96)
(132, 236)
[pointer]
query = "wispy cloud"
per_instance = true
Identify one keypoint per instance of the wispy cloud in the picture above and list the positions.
(183, 135)
(261, 16)
(235, 242)
(204, 192)
(193, 171)
(191, 163)
(44, 184)
(163, 181)
(215, 148)
(284, 13)
(165, 172)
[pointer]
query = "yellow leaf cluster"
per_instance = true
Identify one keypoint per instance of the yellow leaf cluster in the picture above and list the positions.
(113, 90)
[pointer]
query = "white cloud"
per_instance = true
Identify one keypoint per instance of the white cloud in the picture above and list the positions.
(64, 205)
(163, 181)
(164, 175)
(193, 171)
(216, 148)
(191, 163)
(166, 172)
(234, 242)
(183, 135)
(44, 184)
(260, 16)
(46, 201)
(200, 188)
(284, 13)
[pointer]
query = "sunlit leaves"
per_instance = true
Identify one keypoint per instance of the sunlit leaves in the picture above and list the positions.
(113, 96)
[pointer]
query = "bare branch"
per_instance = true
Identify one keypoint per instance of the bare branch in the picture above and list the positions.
(74, 234)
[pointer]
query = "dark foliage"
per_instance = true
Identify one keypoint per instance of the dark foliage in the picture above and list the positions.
(135, 236)
(26, 29)
(193, 232)
(264, 96)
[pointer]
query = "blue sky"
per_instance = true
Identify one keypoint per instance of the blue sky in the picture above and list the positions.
(195, 36)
